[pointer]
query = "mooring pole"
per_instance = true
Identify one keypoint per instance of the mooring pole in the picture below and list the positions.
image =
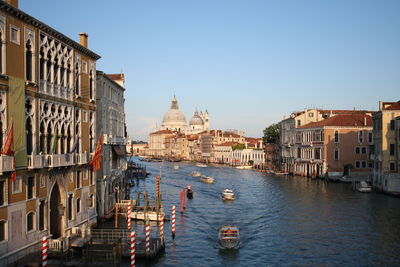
(173, 222)
(44, 251)
(133, 249)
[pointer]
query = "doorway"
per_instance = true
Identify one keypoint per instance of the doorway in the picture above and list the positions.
(55, 216)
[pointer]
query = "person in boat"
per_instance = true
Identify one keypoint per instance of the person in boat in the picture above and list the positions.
(189, 187)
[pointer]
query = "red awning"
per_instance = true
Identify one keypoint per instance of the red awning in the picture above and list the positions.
(118, 151)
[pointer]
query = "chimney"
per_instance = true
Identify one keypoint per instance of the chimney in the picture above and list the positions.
(14, 3)
(83, 39)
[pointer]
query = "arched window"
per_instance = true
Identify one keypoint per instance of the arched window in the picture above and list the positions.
(42, 64)
(28, 61)
(62, 73)
(30, 221)
(42, 138)
(69, 139)
(29, 136)
(68, 76)
(78, 205)
(91, 85)
(55, 71)
(48, 67)
(62, 141)
(77, 84)
(48, 139)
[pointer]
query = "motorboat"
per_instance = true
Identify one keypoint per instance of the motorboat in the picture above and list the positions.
(201, 165)
(363, 187)
(281, 173)
(189, 192)
(207, 179)
(195, 174)
(244, 167)
(176, 167)
(229, 237)
(228, 194)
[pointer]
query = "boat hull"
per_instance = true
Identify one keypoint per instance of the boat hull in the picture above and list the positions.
(140, 215)
(189, 193)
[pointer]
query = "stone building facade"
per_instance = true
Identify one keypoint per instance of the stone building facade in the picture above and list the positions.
(48, 93)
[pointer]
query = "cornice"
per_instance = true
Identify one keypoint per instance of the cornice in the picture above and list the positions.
(46, 28)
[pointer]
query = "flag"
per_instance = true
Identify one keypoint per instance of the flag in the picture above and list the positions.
(96, 161)
(8, 149)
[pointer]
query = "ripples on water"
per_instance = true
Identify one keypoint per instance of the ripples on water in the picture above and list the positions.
(282, 220)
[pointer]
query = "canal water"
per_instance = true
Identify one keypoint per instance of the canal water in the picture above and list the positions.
(283, 221)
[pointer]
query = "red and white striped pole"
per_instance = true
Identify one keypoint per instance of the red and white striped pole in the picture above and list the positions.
(173, 222)
(44, 251)
(129, 216)
(133, 249)
(162, 229)
(147, 237)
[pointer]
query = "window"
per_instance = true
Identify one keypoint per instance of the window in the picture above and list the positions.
(357, 150)
(77, 78)
(392, 166)
(84, 66)
(91, 176)
(361, 136)
(392, 147)
(42, 181)
(298, 123)
(15, 34)
(336, 136)
(28, 61)
(78, 205)
(358, 164)
(370, 137)
(30, 187)
(2, 193)
(91, 200)
(78, 179)
(41, 215)
(363, 164)
(370, 164)
(70, 213)
(85, 118)
(336, 155)
(318, 153)
(364, 150)
(310, 115)
(3, 230)
(392, 125)
(30, 221)
(17, 185)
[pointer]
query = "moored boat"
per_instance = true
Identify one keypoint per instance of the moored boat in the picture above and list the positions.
(176, 167)
(363, 187)
(195, 174)
(229, 237)
(244, 167)
(201, 165)
(228, 194)
(207, 179)
(189, 192)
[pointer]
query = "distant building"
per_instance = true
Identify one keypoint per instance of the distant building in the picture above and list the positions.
(336, 146)
(386, 176)
(110, 179)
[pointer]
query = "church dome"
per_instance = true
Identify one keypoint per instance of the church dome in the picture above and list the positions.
(196, 120)
(174, 118)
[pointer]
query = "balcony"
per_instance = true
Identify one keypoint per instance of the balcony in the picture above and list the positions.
(36, 162)
(82, 158)
(6, 164)
(60, 160)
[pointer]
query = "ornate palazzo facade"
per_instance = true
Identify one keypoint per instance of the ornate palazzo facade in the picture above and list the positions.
(48, 93)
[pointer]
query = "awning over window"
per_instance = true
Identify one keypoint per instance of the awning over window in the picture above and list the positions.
(118, 151)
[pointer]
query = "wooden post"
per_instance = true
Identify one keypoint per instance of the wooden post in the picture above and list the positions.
(116, 216)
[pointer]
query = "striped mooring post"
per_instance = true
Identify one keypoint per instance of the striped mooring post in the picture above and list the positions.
(173, 222)
(44, 251)
(133, 249)
(162, 229)
(157, 185)
(147, 236)
(129, 216)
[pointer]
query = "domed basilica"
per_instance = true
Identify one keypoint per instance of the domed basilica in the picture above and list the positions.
(175, 120)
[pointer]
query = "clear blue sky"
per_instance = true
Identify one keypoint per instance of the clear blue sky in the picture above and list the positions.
(249, 62)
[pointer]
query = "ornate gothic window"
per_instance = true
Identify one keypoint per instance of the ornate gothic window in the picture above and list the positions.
(28, 61)
(77, 84)
(42, 64)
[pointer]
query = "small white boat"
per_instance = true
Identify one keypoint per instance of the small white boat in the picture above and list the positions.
(244, 167)
(152, 215)
(363, 187)
(281, 173)
(201, 165)
(228, 194)
(207, 179)
(176, 167)
(195, 174)
(229, 237)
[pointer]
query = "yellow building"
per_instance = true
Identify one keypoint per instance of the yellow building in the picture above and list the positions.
(47, 91)
(386, 148)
